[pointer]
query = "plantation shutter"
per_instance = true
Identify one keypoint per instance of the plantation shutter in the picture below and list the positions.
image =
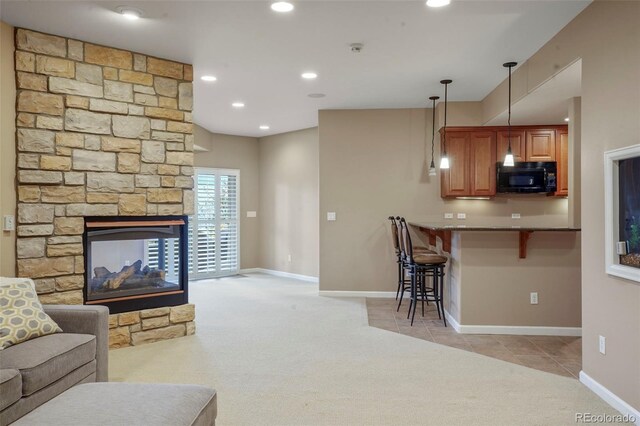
(214, 227)
(204, 224)
(228, 222)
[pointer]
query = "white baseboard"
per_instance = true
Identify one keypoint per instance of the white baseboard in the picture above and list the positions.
(452, 321)
(372, 294)
(510, 329)
(610, 398)
(280, 274)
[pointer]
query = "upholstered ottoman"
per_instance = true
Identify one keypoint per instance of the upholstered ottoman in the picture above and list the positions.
(128, 404)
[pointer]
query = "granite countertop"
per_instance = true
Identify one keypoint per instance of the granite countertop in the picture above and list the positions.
(440, 226)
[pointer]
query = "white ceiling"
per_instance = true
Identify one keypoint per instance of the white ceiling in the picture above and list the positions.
(258, 55)
(548, 103)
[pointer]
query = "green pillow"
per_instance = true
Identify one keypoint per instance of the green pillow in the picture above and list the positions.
(21, 314)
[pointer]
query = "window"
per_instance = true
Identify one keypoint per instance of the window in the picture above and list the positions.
(214, 229)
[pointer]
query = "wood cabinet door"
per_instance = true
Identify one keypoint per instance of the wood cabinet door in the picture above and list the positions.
(455, 180)
(541, 145)
(518, 145)
(562, 158)
(482, 170)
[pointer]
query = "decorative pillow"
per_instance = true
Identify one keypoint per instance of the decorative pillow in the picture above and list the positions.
(21, 314)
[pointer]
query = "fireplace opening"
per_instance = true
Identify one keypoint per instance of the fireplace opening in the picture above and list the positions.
(134, 263)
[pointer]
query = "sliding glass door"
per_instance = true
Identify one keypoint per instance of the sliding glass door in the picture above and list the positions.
(214, 228)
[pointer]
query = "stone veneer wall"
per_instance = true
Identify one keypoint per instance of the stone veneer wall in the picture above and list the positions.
(100, 132)
(151, 325)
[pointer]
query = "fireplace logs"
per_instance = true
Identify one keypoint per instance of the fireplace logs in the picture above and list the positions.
(129, 277)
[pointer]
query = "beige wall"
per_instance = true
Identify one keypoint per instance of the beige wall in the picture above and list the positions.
(236, 152)
(7, 148)
(289, 202)
(496, 283)
(606, 35)
(372, 165)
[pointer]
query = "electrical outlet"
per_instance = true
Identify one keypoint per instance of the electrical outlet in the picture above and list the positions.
(602, 345)
(534, 298)
(448, 215)
(331, 216)
(515, 215)
(462, 215)
(9, 223)
(289, 258)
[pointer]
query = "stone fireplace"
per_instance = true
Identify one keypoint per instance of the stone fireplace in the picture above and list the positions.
(101, 132)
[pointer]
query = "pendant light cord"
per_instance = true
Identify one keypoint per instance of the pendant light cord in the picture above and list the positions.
(509, 65)
(444, 133)
(433, 128)
(509, 118)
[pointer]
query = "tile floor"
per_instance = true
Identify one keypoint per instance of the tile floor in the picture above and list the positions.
(553, 354)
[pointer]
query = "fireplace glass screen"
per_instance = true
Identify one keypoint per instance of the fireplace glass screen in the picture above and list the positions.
(133, 261)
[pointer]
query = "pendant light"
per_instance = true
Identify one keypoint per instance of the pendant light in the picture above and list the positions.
(444, 160)
(508, 159)
(432, 167)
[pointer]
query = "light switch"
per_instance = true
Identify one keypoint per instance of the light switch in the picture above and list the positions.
(252, 214)
(448, 215)
(331, 216)
(9, 223)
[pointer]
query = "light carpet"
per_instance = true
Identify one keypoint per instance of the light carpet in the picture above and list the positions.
(279, 354)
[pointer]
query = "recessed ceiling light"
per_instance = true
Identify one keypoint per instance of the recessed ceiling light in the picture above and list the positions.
(282, 6)
(208, 78)
(130, 13)
(566, 119)
(238, 104)
(309, 75)
(438, 3)
(264, 127)
(316, 95)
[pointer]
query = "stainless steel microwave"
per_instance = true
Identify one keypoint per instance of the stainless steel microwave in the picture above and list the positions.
(527, 178)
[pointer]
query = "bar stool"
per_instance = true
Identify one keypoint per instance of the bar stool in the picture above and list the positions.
(421, 267)
(403, 284)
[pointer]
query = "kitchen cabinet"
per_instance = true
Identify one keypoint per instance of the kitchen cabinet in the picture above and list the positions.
(518, 144)
(455, 180)
(541, 145)
(562, 159)
(482, 170)
(474, 151)
(472, 164)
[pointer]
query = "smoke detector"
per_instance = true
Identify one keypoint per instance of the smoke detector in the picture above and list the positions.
(356, 47)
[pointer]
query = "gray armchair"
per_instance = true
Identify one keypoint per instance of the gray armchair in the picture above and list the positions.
(35, 371)
(85, 319)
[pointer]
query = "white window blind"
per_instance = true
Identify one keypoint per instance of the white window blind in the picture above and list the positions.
(171, 249)
(215, 223)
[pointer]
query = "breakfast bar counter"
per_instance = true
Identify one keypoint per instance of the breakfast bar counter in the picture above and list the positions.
(443, 231)
(505, 279)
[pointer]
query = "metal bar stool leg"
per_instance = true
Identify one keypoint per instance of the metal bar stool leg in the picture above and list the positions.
(402, 288)
(441, 294)
(400, 280)
(436, 293)
(414, 296)
(423, 292)
(410, 293)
